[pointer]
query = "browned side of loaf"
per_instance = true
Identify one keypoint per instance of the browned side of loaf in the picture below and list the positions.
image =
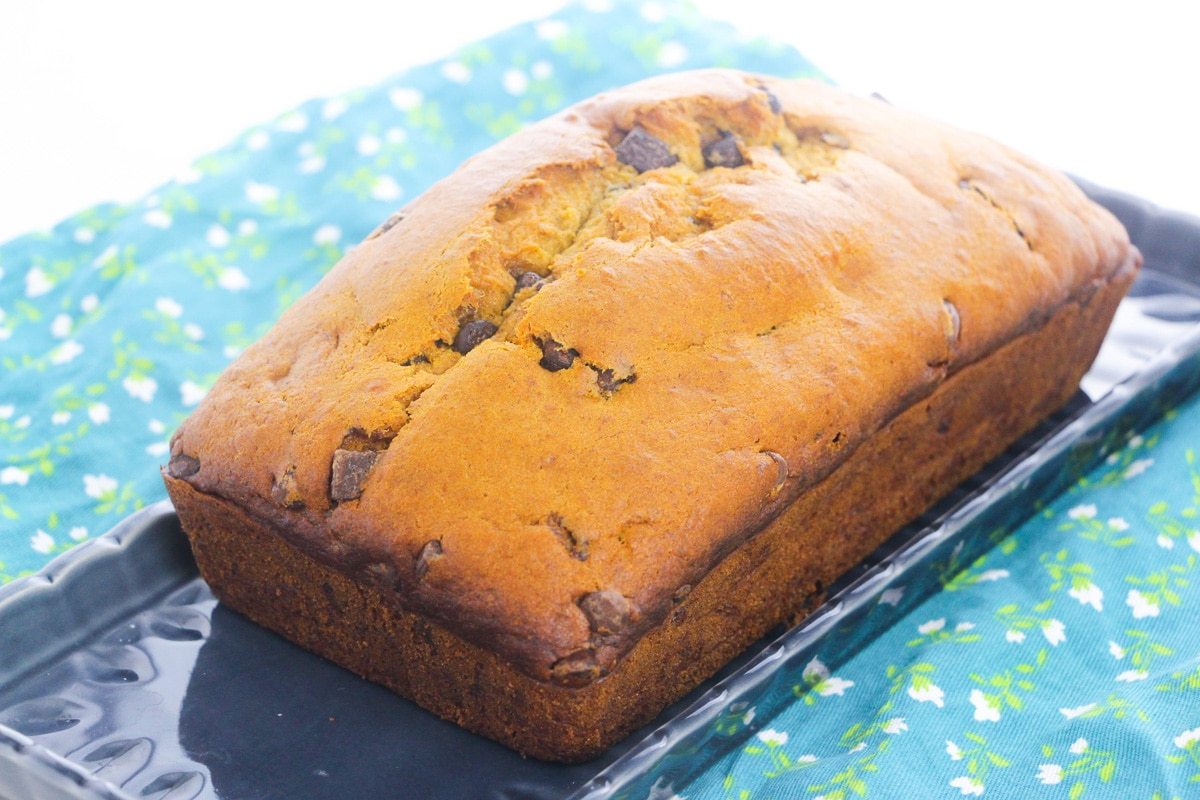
(781, 572)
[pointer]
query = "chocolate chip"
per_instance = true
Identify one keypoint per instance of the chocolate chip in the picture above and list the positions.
(576, 670)
(772, 100)
(473, 334)
(384, 575)
(286, 492)
(350, 469)
(724, 152)
(555, 356)
(527, 279)
(608, 382)
(387, 225)
(644, 151)
(607, 611)
(431, 552)
(182, 466)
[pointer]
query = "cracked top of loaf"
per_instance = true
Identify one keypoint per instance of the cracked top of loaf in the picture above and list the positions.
(556, 389)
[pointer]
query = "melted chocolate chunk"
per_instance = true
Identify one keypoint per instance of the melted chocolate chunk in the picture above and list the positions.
(578, 669)
(644, 151)
(182, 466)
(472, 334)
(772, 100)
(350, 469)
(387, 225)
(286, 492)
(431, 552)
(527, 279)
(555, 356)
(608, 382)
(724, 152)
(607, 611)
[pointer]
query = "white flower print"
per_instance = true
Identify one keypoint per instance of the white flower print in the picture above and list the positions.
(1165, 542)
(60, 328)
(772, 737)
(368, 144)
(1054, 631)
(1082, 512)
(37, 282)
(891, 597)
(193, 331)
(1137, 468)
(260, 192)
(833, 685)
(168, 307)
(233, 279)
(515, 81)
(191, 393)
(1193, 540)
(14, 475)
(1118, 524)
(258, 140)
(386, 188)
(157, 218)
(1014, 636)
(928, 693)
(1142, 605)
(967, 785)
(327, 234)
(954, 751)
(1117, 651)
(984, 710)
(895, 725)
(991, 575)
(42, 542)
(456, 71)
(141, 388)
(78, 533)
(1080, 745)
(1078, 711)
(65, 352)
(97, 486)
(217, 236)
(1187, 738)
(931, 626)
(672, 54)
(1050, 773)
(98, 413)
(404, 98)
(60, 418)
(1131, 675)
(89, 303)
(334, 108)
(6, 411)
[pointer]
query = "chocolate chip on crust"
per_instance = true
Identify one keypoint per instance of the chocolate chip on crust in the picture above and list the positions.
(350, 469)
(431, 552)
(387, 224)
(286, 492)
(577, 669)
(607, 611)
(555, 356)
(724, 152)
(473, 334)
(772, 100)
(644, 151)
(527, 279)
(183, 466)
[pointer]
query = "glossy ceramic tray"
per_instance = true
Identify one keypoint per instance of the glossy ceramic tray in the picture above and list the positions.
(122, 677)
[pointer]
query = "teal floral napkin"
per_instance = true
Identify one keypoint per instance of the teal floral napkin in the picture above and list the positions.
(1063, 664)
(114, 323)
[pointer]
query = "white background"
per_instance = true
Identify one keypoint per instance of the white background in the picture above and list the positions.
(106, 100)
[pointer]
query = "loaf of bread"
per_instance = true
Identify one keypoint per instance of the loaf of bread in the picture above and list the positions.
(630, 388)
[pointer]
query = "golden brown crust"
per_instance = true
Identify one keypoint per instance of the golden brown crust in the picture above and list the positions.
(705, 345)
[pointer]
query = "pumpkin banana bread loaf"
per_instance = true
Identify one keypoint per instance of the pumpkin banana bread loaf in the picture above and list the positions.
(628, 389)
